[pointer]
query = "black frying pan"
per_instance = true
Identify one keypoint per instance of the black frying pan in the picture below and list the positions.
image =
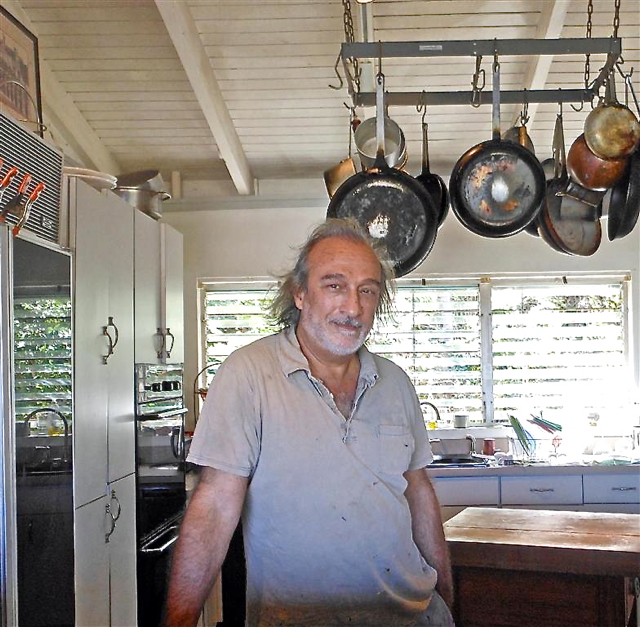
(624, 205)
(497, 187)
(389, 204)
(433, 183)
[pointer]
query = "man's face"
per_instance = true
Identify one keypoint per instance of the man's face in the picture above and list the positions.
(338, 307)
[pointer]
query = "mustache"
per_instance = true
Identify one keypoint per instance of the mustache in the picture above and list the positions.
(347, 321)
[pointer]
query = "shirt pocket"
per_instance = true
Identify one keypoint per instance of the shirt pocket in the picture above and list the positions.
(396, 447)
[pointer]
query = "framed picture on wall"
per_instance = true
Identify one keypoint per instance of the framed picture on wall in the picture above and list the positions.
(19, 73)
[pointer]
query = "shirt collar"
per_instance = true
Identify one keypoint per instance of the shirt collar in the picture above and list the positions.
(292, 359)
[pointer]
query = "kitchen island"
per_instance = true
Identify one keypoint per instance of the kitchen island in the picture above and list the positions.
(539, 568)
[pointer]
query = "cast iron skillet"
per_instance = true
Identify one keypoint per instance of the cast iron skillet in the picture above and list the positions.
(390, 205)
(624, 206)
(497, 187)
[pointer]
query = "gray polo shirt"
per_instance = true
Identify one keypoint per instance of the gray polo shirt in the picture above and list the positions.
(327, 527)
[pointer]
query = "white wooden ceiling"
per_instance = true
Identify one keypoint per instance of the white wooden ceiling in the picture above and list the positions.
(238, 90)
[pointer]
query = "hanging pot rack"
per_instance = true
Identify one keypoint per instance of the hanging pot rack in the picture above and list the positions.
(611, 46)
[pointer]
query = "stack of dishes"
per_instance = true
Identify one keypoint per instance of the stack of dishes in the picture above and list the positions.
(97, 180)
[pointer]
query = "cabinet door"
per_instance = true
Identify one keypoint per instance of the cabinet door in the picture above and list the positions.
(122, 555)
(172, 297)
(467, 490)
(614, 488)
(92, 523)
(147, 259)
(121, 427)
(542, 490)
(91, 302)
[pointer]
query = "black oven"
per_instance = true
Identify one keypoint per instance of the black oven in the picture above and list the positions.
(160, 476)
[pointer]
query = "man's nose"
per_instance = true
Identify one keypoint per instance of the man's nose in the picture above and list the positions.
(352, 304)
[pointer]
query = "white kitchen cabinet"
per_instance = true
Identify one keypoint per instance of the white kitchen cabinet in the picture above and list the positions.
(467, 490)
(122, 551)
(104, 422)
(541, 490)
(158, 292)
(614, 488)
(105, 549)
(92, 564)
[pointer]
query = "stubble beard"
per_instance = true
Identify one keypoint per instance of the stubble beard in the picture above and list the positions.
(324, 334)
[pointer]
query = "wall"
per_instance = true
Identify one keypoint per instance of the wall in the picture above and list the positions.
(237, 243)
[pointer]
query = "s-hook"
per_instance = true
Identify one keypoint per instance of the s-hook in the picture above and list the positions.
(476, 88)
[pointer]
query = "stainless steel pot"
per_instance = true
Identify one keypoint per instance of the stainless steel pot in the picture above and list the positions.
(146, 200)
(144, 190)
(395, 153)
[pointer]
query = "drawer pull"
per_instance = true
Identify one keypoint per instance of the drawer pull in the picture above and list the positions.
(625, 489)
(541, 490)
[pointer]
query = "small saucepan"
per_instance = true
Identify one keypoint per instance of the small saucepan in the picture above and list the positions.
(497, 187)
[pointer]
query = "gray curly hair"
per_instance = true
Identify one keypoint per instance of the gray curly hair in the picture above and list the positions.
(283, 310)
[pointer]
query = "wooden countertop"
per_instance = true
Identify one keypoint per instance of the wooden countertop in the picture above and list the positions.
(546, 540)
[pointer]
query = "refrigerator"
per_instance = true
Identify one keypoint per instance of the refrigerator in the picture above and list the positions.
(36, 360)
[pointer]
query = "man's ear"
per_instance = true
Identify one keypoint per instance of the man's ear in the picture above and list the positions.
(298, 298)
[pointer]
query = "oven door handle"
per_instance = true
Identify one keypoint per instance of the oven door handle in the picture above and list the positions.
(149, 548)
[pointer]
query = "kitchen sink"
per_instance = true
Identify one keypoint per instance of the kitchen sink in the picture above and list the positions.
(459, 460)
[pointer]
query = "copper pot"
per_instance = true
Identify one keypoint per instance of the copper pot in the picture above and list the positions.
(589, 170)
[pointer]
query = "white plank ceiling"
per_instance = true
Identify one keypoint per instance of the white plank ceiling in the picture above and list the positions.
(238, 90)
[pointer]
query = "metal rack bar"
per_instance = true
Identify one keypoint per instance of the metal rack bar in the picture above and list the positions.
(610, 46)
(408, 98)
(483, 47)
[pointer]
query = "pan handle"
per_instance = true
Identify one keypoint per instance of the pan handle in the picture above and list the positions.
(380, 115)
(495, 118)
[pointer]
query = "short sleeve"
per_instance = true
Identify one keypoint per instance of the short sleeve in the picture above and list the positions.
(227, 435)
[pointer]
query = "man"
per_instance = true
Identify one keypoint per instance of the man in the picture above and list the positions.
(321, 446)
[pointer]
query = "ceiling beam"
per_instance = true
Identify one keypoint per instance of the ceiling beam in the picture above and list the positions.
(186, 40)
(552, 19)
(60, 108)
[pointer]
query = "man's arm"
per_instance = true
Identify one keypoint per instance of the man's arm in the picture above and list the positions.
(209, 523)
(427, 529)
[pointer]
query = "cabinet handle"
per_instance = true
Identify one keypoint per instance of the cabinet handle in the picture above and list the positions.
(541, 489)
(173, 339)
(112, 523)
(624, 489)
(112, 341)
(164, 341)
(117, 502)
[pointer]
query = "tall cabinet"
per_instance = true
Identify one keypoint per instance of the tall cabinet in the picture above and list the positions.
(158, 292)
(104, 430)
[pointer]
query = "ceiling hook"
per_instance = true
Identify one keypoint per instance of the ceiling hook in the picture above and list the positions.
(421, 107)
(476, 87)
(335, 69)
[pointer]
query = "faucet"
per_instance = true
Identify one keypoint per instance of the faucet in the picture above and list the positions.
(35, 412)
(472, 445)
(435, 409)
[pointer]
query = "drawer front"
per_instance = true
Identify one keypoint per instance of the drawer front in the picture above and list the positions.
(618, 488)
(467, 490)
(541, 490)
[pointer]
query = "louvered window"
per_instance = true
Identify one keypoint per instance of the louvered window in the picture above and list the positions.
(486, 348)
(560, 348)
(42, 340)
